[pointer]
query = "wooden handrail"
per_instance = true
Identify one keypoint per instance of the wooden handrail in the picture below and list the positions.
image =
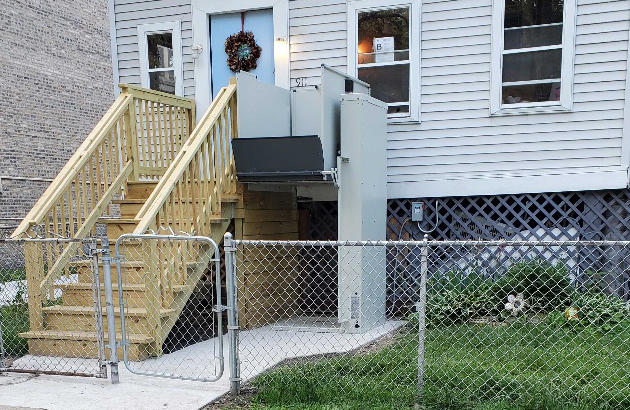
(65, 176)
(146, 127)
(157, 96)
(59, 266)
(201, 173)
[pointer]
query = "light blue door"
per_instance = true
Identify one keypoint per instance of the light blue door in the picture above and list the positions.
(259, 22)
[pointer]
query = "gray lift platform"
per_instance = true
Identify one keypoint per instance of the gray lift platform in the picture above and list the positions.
(328, 140)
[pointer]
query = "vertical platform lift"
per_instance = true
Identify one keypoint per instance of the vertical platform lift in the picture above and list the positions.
(333, 135)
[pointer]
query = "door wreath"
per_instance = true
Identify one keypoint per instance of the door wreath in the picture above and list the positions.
(242, 50)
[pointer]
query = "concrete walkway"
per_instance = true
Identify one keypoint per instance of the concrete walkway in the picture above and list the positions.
(259, 350)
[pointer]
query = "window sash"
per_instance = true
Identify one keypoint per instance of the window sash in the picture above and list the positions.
(391, 63)
(567, 69)
(384, 52)
(532, 49)
(170, 27)
(534, 26)
(153, 70)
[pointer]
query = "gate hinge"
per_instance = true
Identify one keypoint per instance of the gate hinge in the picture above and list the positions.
(233, 327)
(220, 308)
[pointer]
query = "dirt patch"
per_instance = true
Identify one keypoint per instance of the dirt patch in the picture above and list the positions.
(230, 402)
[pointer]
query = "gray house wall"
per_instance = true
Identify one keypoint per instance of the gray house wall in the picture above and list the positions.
(457, 148)
(131, 13)
(55, 84)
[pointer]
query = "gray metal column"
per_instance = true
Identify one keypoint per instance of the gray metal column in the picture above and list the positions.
(362, 176)
(233, 328)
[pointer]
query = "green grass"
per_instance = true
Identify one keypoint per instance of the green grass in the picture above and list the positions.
(8, 275)
(14, 320)
(517, 367)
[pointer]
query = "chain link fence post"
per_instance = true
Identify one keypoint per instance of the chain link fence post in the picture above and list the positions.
(98, 309)
(233, 328)
(109, 310)
(421, 307)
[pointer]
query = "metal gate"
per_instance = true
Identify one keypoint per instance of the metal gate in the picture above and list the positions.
(169, 306)
(51, 317)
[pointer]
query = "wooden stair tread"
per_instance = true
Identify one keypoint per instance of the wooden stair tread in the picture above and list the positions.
(118, 221)
(124, 263)
(89, 310)
(230, 198)
(213, 219)
(129, 201)
(142, 182)
(72, 335)
(126, 287)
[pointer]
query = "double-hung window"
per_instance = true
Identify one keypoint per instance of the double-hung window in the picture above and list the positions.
(160, 57)
(384, 52)
(533, 47)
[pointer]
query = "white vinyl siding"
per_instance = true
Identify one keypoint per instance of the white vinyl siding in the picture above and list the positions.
(314, 42)
(130, 14)
(459, 149)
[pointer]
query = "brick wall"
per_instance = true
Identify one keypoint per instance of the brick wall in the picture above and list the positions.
(55, 84)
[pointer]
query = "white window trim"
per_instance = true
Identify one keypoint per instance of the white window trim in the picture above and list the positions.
(202, 9)
(173, 27)
(567, 71)
(354, 6)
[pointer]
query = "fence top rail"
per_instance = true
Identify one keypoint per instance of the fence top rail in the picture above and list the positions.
(54, 240)
(432, 243)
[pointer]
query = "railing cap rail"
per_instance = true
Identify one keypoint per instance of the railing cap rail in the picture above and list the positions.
(158, 96)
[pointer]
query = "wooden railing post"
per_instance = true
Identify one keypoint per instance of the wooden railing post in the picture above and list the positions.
(132, 139)
(34, 266)
(153, 294)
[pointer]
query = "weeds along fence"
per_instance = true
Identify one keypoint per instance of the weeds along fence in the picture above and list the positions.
(438, 323)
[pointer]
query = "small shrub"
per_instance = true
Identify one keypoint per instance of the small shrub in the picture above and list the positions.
(544, 285)
(457, 297)
(602, 310)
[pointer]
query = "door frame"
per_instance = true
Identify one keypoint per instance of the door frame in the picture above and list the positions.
(201, 11)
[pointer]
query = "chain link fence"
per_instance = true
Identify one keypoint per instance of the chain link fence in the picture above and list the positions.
(441, 324)
(173, 322)
(50, 307)
(358, 350)
(436, 323)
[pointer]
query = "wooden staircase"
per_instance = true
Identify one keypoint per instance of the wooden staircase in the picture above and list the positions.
(163, 178)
